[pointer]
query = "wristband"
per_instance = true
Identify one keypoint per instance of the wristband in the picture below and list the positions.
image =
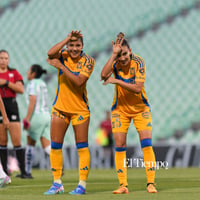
(7, 82)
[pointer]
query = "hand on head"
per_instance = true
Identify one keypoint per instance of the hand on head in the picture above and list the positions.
(75, 34)
(118, 43)
(120, 37)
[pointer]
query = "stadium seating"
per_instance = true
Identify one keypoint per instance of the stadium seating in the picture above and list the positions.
(170, 52)
(171, 92)
(5, 3)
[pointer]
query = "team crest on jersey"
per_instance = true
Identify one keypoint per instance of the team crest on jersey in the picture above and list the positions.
(11, 75)
(142, 71)
(79, 65)
(89, 66)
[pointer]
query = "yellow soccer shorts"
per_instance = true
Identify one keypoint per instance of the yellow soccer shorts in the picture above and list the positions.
(76, 119)
(120, 121)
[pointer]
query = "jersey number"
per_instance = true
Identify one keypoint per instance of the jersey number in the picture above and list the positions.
(117, 123)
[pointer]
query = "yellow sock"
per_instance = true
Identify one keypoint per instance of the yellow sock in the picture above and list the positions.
(120, 164)
(56, 159)
(150, 163)
(84, 163)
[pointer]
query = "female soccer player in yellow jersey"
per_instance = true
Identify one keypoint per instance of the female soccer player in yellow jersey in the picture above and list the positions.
(74, 68)
(130, 102)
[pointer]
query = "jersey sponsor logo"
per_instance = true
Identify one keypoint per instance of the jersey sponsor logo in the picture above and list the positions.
(80, 118)
(149, 124)
(53, 169)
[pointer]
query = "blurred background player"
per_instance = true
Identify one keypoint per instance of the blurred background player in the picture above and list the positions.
(130, 102)
(37, 120)
(11, 83)
(106, 125)
(74, 68)
(4, 178)
(104, 138)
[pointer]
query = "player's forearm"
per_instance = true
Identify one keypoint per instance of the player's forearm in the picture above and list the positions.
(136, 88)
(76, 80)
(53, 51)
(4, 115)
(17, 87)
(2, 109)
(31, 107)
(108, 67)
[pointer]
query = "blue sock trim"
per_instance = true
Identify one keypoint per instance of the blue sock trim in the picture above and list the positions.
(81, 145)
(119, 149)
(146, 143)
(55, 145)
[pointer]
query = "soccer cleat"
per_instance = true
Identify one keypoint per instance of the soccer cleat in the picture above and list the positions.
(28, 176)
(121, 190)
(151, 188)
(79, 190)
(4, 181)
(56, 188)
(9, 181)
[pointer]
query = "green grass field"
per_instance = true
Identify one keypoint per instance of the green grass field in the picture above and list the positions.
(172, 184)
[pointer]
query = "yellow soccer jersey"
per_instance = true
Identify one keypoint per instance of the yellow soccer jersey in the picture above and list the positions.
(125, 101)
(69, 98)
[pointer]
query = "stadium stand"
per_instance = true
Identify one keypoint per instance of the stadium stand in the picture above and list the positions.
(169, 45)
(6, 3)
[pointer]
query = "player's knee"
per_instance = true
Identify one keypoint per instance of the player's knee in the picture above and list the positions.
(120, 143)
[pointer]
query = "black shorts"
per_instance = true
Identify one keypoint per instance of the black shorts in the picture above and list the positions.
(11, 110)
